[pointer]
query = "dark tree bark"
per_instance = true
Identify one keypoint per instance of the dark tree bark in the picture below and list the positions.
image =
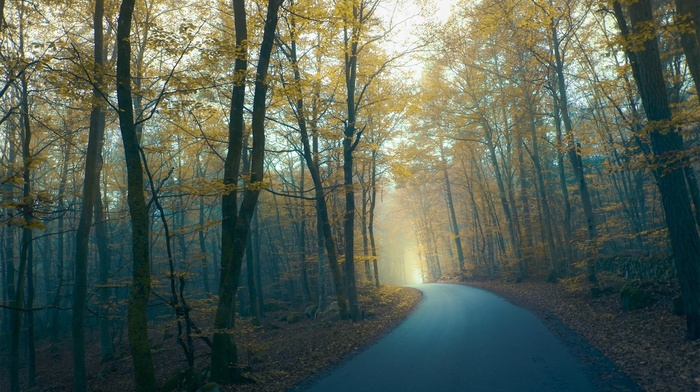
(250, 260)
(10, 280)
(554, 267)
(201, 234)
(27, 249)
(250, 279)
(224, 353)
(666, 144)
(568, 230)
(235, 226)
(351, 139)
(325, 233)
(60, 259)
(257, 263)
(363, 224)
(507, 211)
(689, 41)
(90, 192)
(574, 150)
(372, 205)
(25, 256)
(453, 215)
(137, 319)
(105, 267)
(301, 240)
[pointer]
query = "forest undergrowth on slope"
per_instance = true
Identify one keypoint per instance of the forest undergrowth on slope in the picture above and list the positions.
(278, 355)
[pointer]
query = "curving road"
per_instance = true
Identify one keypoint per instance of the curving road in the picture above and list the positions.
(462, 339)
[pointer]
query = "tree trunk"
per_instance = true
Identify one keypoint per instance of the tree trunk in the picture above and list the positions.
(692, 182)
(574, 152)
(60, 260)
(688, 15)
(509, 214)
(10, 280)
(568, 231)
(27, 249)
(554, 267)
(137, 318)
(203, 249)
(350, 140)
(526, 234)
(105, 267)
(255, 306)
(372, 205)
(453, 215)
(235, 227)
(667, 142)
(90, 192)
(257, 263)
(325, 237)
(363, 226)
(305, 290)
(250, 279)
(224, 353)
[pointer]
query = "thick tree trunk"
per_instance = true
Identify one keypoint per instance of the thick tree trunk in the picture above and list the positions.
(224, 353)
(255, 306)
(137, 319)
(667, 142)
(235, 227)
(350, 141)
(688, 15)
(90, 192)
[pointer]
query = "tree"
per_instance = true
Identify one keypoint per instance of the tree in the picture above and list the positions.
(236, 224)
(356, 15)
(145, 378)
(90, 193)
(667, 144)
(310, 155)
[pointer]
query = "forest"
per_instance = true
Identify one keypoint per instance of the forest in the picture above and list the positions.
(189, 164)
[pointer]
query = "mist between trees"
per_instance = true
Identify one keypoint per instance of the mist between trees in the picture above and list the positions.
(189, 163)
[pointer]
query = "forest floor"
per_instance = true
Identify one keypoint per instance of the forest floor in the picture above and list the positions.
(278, 356)
(648, 344)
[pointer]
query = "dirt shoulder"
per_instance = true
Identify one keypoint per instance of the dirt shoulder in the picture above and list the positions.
(286, 356)
(280, 354)
(647, 344)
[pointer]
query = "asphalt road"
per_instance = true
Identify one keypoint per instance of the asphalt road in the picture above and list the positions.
(462, 339)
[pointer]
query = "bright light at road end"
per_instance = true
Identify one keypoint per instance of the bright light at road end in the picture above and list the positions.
(412, 266)
(417, 276)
